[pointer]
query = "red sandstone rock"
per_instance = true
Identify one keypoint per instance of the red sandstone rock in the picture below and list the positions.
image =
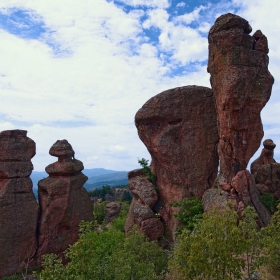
(140, 211)
(178, 127)
(18, 206)
(241, 86)
(267, 171)
(64, 203)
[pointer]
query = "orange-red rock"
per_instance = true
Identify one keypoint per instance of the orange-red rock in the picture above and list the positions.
(140, 211)
(179, 129)
(64, 202)
(267, 171)
(241, 86)
(18, 206)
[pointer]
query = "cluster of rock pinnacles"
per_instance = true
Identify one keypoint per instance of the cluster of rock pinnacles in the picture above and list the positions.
(188, 131)
(28, 230)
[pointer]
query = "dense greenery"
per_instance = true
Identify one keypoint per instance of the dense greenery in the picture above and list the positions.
(269, 201)
(190, 213)
(107, 189)
(213, 246)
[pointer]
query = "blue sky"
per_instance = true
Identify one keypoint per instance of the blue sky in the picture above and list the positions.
(80, 70)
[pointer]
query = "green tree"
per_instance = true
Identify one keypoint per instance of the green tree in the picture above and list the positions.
(190, 213)
(212, 251)
(253, 241)
(138, 259)
(99, 211)
(272, 242)
(147, 170)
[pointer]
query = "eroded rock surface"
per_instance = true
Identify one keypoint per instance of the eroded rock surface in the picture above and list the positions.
(178, 127)
(64, 202)
(18, 206)
(112, 210)
(140, 211)
(267, 171)
(241, 86)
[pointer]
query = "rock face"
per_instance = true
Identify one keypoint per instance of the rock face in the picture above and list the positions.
(18, 206)
(267, 171)
(63, 201)
(178, 127)
(241, 86)
(243, 193)
(140, 211)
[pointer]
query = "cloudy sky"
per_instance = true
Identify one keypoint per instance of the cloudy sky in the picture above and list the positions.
(80, 70)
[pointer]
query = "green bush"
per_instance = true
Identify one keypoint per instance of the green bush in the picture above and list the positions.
(99, 211)
(269, 201)
(190, 213)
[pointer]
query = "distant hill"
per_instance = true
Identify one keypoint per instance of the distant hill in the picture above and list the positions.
(97, 178)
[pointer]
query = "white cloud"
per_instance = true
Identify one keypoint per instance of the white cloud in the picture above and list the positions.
(89, 93)
(181, 4)
(148, 3)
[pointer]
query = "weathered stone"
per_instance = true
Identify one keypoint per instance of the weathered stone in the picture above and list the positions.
(214, 198)
(178, 127)
(140, 211)
(18, 206)
(64, 203)
(143, 190)
(241, 86)
(112, 211)
(15, 146)
(267, 171)
(152, 228)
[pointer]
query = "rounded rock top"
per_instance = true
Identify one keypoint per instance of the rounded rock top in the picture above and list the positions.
(13, 133)
(62, 148)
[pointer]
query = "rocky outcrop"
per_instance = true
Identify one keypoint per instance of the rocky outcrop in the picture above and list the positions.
(242, 192)
(112, 211)
(18, 206)
(241, 86)
(266, 171)
(178, 127)
(64, 203)
(140, 211)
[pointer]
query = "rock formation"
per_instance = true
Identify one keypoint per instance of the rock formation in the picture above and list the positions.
(64, 203)
(140, 211)
(18, 206)
(112, 211)
(266, 171)
(241, 86)
(178, 127)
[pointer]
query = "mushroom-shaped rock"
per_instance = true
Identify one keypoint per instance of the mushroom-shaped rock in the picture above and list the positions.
(179, 128)
(18, 206)
(64, 202)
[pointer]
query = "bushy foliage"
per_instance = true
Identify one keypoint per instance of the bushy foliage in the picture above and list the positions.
(217, 246)
(190, 213)
(108, 255)
(269, 201)
(99, 211)
(101, 193)
(272, 245)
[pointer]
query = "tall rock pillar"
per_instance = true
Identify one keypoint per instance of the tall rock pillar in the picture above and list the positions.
(241, 86)
(18, 206)
(64, 202)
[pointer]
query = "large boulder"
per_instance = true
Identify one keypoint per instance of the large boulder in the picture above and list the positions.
(179, 129)
(64, 202)
(18, 206)
(241, 83)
